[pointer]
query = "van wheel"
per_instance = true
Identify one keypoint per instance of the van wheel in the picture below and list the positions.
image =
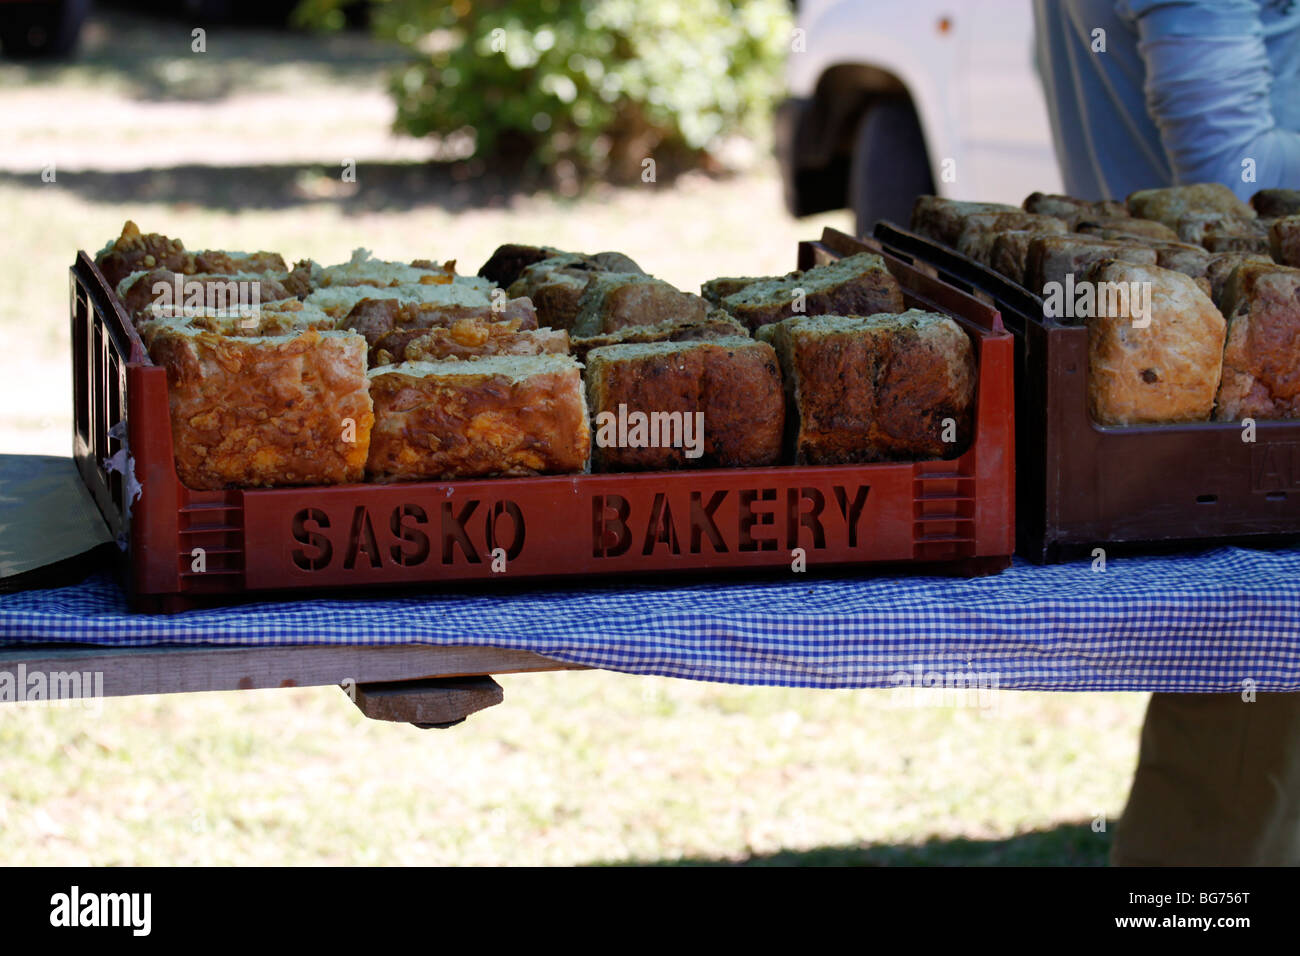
(890, 165)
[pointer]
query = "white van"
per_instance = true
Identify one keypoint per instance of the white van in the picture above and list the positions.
(894, 98)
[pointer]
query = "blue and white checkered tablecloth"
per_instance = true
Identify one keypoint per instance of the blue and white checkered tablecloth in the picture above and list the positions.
(1197, 622)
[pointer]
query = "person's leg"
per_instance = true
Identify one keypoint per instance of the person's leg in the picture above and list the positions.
(1217, 783)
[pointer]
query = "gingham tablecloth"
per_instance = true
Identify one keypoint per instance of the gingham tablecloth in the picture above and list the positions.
(1198, 622)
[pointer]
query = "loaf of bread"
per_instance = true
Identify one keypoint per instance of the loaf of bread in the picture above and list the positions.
(1010, 250)
(1276, 203)
(340, 301)
(498, 415)
(1172, 203)
(284, 317)
(555, 287)
(162, 292)
(876, 388)
(257, 411)
(715, 290)
(1261, 361)
(389, 325)
(136, 252)
(942, 219)
(1052, 258)
(1070, 209)
(616, 300)
(1284, 240)
(1217, 232)
(1182, 257)
(1125, 227)
(662, 405)
(1164, 371)
(979, 231)
(1222, 265)
(508, 262)
(855, 285)
(475, 337)
(716, 325)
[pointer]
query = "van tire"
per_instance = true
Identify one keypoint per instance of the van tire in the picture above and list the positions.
(890, 165)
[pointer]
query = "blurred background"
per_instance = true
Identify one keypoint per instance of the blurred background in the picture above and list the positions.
(237, 125)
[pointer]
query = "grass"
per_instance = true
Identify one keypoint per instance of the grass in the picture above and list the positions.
(574, 768)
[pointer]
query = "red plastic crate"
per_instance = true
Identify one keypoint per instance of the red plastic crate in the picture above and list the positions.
(959, 512)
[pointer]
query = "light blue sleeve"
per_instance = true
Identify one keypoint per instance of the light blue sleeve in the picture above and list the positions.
(1208, 85)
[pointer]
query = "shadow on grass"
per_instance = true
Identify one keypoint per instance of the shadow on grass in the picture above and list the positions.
(149, 51)
(379, 186)
(1069, 844)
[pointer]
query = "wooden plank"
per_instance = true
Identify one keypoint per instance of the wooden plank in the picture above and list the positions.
(185, 668)
(440, 702)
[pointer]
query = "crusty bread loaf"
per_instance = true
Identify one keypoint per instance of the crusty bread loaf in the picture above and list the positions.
(1126, 227)
(1182, 257)
(1010, 250)
(1284, 240)
(1276, 203)
(715, 290)
(616, 300)
(716, 325)
(250, 411)
(1221, 266)
(941, 219)
(1171, 203)
(855, 285)
(508, 262)
(497, 415)
(475, 337)
(733, 383)
(283, 317)
(1261, 361)
(875, 388)
(1167, 371)
(980, 230)
(150, 294)
(555, 287)
(1052, 258)
(1070, 209)
(340, 300)
(1219, 232)
(390, 325)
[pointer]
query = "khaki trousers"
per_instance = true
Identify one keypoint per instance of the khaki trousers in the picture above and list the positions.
(1217, 784)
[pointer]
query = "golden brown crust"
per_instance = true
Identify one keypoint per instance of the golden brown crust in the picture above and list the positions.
(134, 251)
(389, 325)
(981, 230)
(1165, 372)
(466, 424)
(735, 383)
(1275, 203)
(1261, 361)
(250, 412)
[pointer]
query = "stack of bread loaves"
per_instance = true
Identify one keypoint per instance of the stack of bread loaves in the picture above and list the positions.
(399, 371)
(1208, 325)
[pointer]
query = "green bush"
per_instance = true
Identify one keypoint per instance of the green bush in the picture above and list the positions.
(602, 84)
